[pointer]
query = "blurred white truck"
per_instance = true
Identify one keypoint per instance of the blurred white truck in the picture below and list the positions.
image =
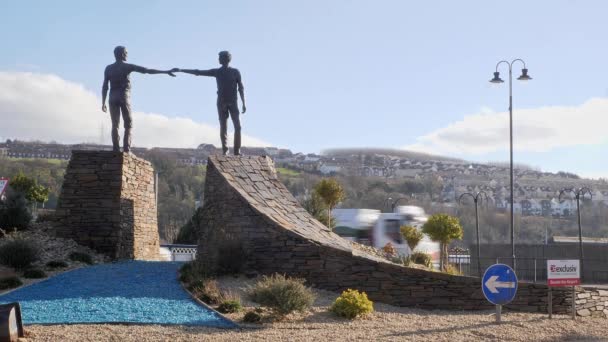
(374, 228)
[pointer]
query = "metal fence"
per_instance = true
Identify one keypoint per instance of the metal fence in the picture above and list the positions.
(528, 269)
(178, 252)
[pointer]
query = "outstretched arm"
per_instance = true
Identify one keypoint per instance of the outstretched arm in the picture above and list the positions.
(104, 90)
(143, 70)
(195, 72)
(241, 88)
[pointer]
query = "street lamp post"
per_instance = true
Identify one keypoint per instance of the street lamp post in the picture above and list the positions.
(496, 79)
(476, 197)
(578, 194)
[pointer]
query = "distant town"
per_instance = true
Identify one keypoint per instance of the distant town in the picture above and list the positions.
(536, 192)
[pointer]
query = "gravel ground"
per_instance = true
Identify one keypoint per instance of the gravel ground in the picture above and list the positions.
(387, 323)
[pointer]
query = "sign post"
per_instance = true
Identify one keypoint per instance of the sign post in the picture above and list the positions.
(3, 185)
(562, 273)
(499, 286)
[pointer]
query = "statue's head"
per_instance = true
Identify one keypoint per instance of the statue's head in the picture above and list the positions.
(120, 53)
(225, 57)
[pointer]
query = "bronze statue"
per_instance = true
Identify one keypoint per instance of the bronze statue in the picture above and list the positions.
(228, 81)
(117, 75)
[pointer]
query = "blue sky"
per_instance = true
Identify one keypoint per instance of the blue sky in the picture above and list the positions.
(322, 74)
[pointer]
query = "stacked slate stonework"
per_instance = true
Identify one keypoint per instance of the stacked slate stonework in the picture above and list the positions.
(108, 203)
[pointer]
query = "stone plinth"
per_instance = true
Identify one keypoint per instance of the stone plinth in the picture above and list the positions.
(108, 203)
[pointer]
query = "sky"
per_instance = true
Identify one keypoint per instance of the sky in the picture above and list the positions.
(321, 74)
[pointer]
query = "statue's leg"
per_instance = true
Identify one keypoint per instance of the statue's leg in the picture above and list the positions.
(126, 118)
(236, 122)
(222, 111)
(115, 115)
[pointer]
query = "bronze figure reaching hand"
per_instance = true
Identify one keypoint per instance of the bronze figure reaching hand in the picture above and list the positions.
(116, 76)
(228, 82)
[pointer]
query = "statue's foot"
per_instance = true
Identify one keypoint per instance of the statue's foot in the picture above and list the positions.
(225, 151)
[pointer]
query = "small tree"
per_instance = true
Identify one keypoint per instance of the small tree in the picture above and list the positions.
(33, 192)
(443, 228)
(331, 192)
(412, 236)
(316, 207)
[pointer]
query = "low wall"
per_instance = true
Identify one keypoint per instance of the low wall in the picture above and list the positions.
(592, 302)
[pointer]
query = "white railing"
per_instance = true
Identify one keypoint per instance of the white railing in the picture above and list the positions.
(178, 252)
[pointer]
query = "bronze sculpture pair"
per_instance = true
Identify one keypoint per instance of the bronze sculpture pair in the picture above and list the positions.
(116, 80)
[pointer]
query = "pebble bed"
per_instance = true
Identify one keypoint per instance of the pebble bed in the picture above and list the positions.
(126, 292)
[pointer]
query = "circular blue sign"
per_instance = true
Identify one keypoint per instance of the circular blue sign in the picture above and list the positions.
(499, 284)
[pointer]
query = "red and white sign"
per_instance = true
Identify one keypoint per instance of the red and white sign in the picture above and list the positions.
(563, 272)
(3, 185)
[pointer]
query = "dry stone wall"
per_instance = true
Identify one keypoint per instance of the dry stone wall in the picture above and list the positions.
(246, 205)
(592, 302)
(108, 203)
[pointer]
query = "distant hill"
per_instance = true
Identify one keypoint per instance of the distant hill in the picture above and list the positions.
(343, 152)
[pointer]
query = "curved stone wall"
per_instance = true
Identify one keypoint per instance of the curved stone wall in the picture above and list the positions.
(246, 204)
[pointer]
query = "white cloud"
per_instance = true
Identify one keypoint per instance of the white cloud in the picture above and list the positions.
(46, 107)
(535, 130)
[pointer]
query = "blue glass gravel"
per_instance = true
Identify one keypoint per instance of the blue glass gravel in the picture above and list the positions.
(123, 292)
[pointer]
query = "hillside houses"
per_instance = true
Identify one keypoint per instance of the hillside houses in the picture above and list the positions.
(536, 192)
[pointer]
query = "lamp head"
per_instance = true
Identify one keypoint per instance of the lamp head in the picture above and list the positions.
(496, 78)
(524, 75)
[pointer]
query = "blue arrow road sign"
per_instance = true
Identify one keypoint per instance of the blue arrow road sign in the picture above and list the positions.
(499, 284)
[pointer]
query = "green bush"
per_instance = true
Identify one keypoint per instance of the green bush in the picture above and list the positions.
(282, 295)
(252, 317)
(351, 304)
(422, 258)
(81, 257)
(14, 212)
(10, 283)
(56, 264)
(230, 306)
(34, 273)
(18, 253)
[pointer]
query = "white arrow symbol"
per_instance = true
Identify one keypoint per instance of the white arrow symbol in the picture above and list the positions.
(493, 284)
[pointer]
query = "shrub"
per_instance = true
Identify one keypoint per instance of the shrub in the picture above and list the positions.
(14, 212)
(34, 273)
(18, 253)
(351, 304)
(56, 264)
(282, 295)
(45, 216)
(402, 260)
(451, 269)
(252, 317)
(81, 257)
(230, 306)
(421, 258)
(207, 291)
(412, 236)
(186, 274)
(10, 283)
(389, 251)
